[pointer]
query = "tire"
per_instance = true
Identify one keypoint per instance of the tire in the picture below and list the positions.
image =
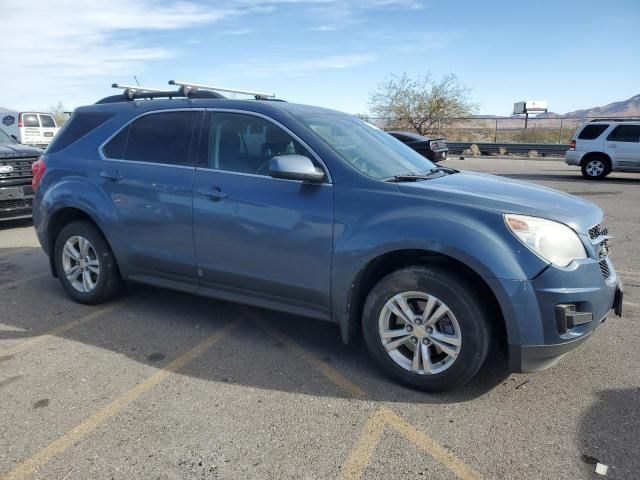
(99, 279)
(595, 167)
(466, 321)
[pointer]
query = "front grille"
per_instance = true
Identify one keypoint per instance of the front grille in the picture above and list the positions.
(604, 268)
(597, 231)
(21, 167)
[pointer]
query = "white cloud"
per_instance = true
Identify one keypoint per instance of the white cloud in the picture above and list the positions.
(55, 49)
(272, 68)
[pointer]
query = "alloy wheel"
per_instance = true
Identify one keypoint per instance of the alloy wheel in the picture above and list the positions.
(80, 264)
(420, 333)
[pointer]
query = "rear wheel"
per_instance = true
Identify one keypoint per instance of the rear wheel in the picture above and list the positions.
(85, 264)
(595, 167)
(426, 328)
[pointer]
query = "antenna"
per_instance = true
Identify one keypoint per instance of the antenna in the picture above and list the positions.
(136, 79)
(199, 86)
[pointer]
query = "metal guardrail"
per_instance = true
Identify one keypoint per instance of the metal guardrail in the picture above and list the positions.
(543, 149)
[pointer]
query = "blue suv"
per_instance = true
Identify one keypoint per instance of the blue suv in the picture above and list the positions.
(319, 214)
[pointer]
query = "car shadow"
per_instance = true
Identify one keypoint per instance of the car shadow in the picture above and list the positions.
(257, 359)
(609, 433)
(19, 223)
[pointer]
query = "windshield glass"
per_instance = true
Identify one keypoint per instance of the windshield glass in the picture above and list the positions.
(367, 148)
(4, 138)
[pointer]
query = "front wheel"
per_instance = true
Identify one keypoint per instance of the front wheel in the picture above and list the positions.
(426, 328)
(85, 264)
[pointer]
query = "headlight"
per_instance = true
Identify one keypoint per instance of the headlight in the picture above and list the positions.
(553, 241)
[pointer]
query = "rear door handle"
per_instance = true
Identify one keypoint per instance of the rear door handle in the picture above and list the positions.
(214, 194)
(113, 176)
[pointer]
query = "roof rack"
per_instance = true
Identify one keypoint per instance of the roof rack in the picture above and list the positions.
(614, 119)
(185, 90)
(198, 86)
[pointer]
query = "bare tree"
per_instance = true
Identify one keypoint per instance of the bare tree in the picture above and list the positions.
(421, 104)
(59, 114)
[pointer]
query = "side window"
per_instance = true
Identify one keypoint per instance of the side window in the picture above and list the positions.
(625, 133)
(156, 138)
(245, 143)
(47, 121)
(591, 132)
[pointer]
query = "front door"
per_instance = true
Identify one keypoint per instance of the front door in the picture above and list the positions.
(259, 239)
(148, 171)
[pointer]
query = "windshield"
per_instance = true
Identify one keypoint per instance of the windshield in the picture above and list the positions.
(4, 138)
(367, 148)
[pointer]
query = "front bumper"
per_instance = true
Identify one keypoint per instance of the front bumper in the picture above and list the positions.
(539, 339)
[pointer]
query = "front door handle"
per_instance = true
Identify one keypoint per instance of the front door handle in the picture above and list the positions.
(214, 194)
(113, 176)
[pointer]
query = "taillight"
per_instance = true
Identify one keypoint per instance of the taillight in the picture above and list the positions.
(572, 145)
(20, 124)
(37, 169)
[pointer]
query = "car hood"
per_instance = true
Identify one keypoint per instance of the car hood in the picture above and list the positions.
(11, 150)
(504, 195)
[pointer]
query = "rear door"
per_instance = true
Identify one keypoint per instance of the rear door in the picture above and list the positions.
(623, 145)
(260, 238)
(48, 127)
(147, 170)
(30, 131)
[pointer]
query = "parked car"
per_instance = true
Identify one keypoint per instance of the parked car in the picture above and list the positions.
(604, 146)
(435, 149)
(29, 128)
(319, 214)
(16, 194)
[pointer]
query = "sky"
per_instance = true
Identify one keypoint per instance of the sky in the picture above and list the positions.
(331, 53)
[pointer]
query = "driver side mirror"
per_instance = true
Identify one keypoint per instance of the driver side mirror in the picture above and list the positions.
(295, 167)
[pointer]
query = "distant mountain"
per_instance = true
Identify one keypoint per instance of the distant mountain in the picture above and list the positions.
(625, 108)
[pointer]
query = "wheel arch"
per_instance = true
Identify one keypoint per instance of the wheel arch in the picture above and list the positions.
(58, 220)
(384, 264)
(587, 156)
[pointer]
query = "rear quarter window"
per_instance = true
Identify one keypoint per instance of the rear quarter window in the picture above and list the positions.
(591, 132)
(77, 127)
(625, 133)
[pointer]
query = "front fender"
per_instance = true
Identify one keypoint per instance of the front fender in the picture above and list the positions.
(392, 222)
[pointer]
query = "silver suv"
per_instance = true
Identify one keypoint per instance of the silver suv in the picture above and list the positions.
(604, 146)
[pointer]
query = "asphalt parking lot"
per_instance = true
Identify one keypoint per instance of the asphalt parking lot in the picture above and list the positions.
(163, 385)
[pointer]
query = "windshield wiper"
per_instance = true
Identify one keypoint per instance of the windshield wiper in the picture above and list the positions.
(414, 177)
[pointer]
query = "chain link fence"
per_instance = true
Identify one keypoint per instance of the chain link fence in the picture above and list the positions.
(497, 129)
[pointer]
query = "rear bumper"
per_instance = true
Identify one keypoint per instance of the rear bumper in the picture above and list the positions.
(572, 157)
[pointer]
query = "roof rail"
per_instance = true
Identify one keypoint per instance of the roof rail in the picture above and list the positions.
(199, 86)
(614, 119)
(139, 93)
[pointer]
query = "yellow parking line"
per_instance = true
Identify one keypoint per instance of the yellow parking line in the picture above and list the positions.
(332, 375)
(360, 456)
(22, 280)
(72, 436)
(428, 445)
(59, 330)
